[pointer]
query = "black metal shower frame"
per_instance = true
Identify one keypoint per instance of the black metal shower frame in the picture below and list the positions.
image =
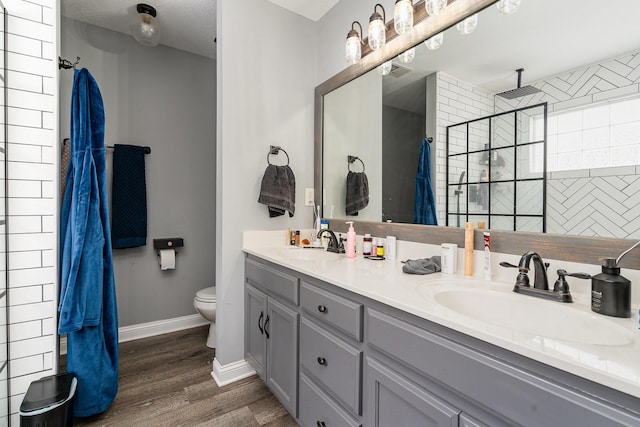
(489, 181)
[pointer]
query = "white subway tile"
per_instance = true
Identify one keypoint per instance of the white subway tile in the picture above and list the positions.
(26, 64)
(24, 153)
(28, 28)
(48, 224)
(30, 100)
(48, 294)
(47, 50)
(31, 206)
(48, 85)
(18, 260)
(48, 16)
(49, 325)
(30, 242)
(48, 120)
(25, 295)
(27, 312)
(25, 82)
(29, 171)
(27, 365)
(25, 330)
(45, 3)
(48, 259)
(30, 136)
(29, 347)
(25, 45)
(23, 117)
(25, 189)
(33, 276)
(27, 10)
(48, 189)
(48, 360)
(25, 224)
(48, 155)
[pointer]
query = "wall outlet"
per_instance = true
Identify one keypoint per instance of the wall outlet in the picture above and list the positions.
(308, 197)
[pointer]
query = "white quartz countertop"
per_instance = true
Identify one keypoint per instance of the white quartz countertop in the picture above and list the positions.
(607, 350)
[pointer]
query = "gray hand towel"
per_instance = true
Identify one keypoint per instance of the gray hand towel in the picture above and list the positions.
(422, 266)
(357, 192)
(278, 190)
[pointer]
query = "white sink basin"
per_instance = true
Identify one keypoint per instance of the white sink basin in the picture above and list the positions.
(533, 316)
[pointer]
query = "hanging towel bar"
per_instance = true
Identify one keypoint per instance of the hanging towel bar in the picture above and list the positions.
(66, 64)
(147, 150)
(274, 150)
(351, 159)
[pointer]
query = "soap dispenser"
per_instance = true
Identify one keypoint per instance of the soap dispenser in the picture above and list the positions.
(611, 292)
(351, 241)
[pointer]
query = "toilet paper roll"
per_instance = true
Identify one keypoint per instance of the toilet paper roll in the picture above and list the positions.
(167, 259)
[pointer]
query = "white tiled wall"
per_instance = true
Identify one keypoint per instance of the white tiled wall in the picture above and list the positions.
(31, 152)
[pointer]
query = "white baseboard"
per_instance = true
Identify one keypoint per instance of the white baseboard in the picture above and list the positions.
(150, 329)
(231, 372)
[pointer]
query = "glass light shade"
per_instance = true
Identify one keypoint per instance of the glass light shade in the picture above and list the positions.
(353, 52)
(434, 42)
(468, 25)
(435, 7)
(508, 6)
(407, 56)
(377, 34)
(403, 16)
(144, 28)
(385, 68)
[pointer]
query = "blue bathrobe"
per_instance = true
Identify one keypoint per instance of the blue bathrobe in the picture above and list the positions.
(87, 309)
(424, 209)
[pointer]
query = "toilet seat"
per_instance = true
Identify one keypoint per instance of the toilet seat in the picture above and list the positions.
(206, 294)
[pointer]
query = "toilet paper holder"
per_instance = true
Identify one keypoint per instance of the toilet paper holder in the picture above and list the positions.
(168, 243)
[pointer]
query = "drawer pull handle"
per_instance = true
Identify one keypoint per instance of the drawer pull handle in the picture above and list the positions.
(266, 322)
(322, 309)
(322, 361)
(321, 424)
(260, 322)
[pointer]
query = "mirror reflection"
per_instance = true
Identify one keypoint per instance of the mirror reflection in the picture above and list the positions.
(573, 170)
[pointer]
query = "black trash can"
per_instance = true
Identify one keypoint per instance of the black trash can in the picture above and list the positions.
(49, 402)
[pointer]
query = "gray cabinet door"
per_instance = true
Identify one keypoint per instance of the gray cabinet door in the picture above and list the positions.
(255, 314)
(281, 329)
(393, 401)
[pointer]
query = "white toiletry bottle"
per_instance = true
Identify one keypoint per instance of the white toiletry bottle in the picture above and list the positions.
(351, 241)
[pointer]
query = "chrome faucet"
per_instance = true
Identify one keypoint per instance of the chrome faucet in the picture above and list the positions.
(335, 245)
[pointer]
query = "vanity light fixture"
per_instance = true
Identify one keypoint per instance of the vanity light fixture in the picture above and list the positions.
(144, 26)
(435, 7)
(434, 42)
(468, 25)
(403, 16)
(508, 6)
(377, 28)
(407, 56)
(353, 49)
(385, 68)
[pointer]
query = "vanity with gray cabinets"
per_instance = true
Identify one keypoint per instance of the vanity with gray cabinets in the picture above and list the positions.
(359, 362)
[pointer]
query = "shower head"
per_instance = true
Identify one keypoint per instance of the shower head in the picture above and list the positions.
(460, 182)
(520, 91)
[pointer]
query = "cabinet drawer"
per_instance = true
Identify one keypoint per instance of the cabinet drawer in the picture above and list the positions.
(317, 409)
(275, 282)
(339, 312)
(332, 362)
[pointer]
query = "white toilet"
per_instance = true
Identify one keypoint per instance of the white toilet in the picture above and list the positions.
(205, 304)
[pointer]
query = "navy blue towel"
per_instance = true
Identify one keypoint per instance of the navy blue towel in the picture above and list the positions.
(129, 198)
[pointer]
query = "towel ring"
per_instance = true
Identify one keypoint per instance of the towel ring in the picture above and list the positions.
(352, 159)
(274, 149)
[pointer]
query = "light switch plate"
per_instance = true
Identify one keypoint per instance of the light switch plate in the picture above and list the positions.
(308, 197)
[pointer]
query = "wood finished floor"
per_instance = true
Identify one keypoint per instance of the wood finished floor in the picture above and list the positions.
(166, 381)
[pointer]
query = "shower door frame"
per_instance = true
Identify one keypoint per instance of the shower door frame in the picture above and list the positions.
(489, 150)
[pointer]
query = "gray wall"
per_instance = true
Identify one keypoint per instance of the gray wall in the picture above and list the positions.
(165, 99)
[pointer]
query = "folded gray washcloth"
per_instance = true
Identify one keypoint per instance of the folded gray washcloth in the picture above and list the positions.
(422, 266)
(357, 192)
(278, 190)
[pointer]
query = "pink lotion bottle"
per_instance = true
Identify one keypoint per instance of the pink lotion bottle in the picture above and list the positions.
(351, 241)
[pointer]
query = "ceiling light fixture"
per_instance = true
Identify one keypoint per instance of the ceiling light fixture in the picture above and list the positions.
(403, 16)
(385, 68)
(377, 28)
(353, 50)
(434, 42)
(144, 27)
(407, 56)
(508, 6)
(435, 7)
(468, 25)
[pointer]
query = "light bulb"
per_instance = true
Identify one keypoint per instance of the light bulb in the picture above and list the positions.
(468, 25)
(407, 56)
(377, 33)
(385, 68)
(434, 42)
(508, 6)
(403, 16)
(353, 51)
(144, 27)
(435, 7)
